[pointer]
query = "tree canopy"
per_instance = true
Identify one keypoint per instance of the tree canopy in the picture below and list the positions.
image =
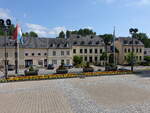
(82, 32)
(30, 34)
(143, 38)
(12, 29)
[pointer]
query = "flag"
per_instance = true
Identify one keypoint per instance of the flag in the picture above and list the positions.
(18, 34)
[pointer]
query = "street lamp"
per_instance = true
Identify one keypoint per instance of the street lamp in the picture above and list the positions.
(5, 26)
(133, 32)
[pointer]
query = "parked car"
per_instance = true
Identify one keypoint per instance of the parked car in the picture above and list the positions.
(50, 66)
(123, 69)
(68, 66)
(11, 67)
(32, 70)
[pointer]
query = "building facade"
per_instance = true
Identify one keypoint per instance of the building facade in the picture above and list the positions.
(124, 45)
(44, 51)
(146, 51)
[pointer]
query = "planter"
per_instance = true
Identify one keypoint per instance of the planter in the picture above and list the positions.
(27, 73)
(61, 71)
(90, 69)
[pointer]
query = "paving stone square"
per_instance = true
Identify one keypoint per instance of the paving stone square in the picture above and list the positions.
(104, 94)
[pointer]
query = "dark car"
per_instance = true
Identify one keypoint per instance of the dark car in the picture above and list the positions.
(123, 69)
(50, 66)
(68, 66)
(11, 67)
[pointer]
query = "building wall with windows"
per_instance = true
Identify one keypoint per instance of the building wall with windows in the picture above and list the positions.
(124, 45)
(11, 56)
(56, 56)
(146, 51)
(35, 57)
(90, 54)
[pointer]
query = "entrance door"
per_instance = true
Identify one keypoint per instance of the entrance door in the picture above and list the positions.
(28, 63)
(45, 62)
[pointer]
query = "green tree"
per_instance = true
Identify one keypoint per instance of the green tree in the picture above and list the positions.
(33, 34)
(61, 34)
(83, 32)
(147, 58)
(77, 60)
(129, 58)
(143, 38)
(103, 56)
(68, 33)
(107, 38)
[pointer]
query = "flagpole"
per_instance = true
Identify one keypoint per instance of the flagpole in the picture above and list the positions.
(114, 50)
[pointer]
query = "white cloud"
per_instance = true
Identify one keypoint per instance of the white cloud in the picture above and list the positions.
(44, 31)
(5, 13)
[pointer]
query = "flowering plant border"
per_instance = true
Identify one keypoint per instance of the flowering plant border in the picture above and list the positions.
(61, 76)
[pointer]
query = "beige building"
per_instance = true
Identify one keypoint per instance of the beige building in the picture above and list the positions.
(44, 51)
(124, 45)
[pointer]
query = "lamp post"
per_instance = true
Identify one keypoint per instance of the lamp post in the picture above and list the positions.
(132, 31)
(5, 25)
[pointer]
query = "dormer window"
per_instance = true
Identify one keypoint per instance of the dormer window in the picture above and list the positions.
(97, 42)
(75, 43)
(125, 42)
(136, 42)
(90, 42)
(82, 43)
(58, 45)
(78, 36)
(66, 45)
(52, 45)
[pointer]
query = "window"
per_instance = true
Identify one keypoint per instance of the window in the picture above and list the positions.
(62, 53)
(54, 61)
(125, 50)
(81, 51)
(140, 57)
(39, 54)
(136, 57)
(40, 62)
(90, 42)
(140, 50)
(45, 54)
(85, 58)
(74, 50)
(26, 54)
(82, 43)
(91, 59)
(91, 51)
(95, 50)
(145, 52)
(137, 50)
(95, 59)
(54, 53)
(97, 42)
(85, 50)
(32, 54)
(125, 42)
(68, 52)
(75, 43)
(101, 50)
(68, 61)
(129, 50)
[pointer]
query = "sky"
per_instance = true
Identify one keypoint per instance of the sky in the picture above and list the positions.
(49, 17)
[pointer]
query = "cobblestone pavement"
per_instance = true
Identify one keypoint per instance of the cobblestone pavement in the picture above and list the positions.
(106, 94)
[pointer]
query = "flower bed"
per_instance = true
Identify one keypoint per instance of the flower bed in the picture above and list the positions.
(60, 76)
